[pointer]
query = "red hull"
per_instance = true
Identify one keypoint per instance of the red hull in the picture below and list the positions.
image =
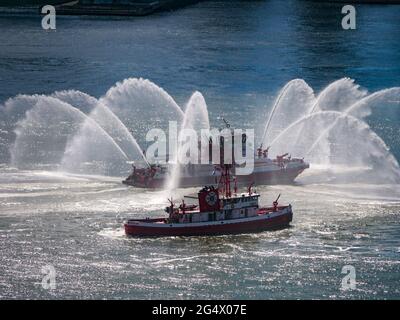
(224, 227)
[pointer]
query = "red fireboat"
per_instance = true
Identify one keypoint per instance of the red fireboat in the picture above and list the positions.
(219, 211)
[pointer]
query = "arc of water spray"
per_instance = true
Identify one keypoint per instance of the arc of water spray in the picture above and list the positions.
(322, 95)
(325, 91)
(84, 117)
(276, 103)
(66, 107)
(312, 110)
(339, 115)
(354, 106)
(125, 129)
(305, 118)
(130, 89)
(295, 84)
(186, 124)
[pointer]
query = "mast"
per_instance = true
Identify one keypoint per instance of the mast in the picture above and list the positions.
(224, 182)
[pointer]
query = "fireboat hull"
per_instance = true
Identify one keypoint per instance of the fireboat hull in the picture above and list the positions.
(264, 221)
(282, 176)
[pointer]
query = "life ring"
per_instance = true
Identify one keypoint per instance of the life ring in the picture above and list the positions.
(211, 198)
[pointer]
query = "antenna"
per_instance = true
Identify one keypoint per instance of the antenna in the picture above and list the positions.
(275, 203)
(227, 124)
(249, 188)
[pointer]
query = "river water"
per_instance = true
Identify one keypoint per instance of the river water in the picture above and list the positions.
(238, 55)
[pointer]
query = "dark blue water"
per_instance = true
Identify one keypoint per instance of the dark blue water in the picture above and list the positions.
(221, 48)
(238, 54)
